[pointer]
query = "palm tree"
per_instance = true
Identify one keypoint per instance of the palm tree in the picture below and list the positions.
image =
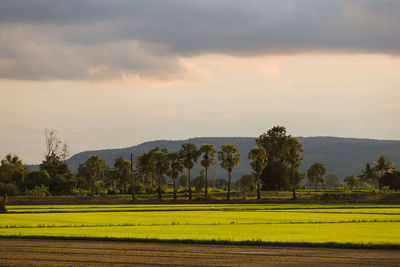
(175, 168)
(383, 165)
(208, 152)
(258, 157)
(160, 163)
(293, 152)
(229, 158)
(368, 175)
(189, 155)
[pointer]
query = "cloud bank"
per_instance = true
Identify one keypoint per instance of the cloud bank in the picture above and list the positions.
(99, 39)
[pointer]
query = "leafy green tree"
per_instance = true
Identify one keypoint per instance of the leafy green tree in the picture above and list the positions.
(369, 175)
(258, 161)
(391, 179)
(246, 182)
(208, 151)
(331, 181)
(383, 165)
(316, 173)
(229, 158)
(143, 166)
(175, 168)
(12, 170)
(36, 178)
(199, 182)
(350, 180)
(161, 164)
(93, 170)
(294, 157)
(189, 155)
(275, 174)
(122, 172)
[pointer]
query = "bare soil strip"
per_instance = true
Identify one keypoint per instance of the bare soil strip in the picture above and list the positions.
(19, 252)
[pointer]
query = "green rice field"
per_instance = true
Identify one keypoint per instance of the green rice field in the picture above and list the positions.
(368, 225)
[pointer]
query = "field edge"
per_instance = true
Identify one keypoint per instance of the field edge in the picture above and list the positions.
(215, 242)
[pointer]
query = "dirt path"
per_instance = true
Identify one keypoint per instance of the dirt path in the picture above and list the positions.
(16, 252)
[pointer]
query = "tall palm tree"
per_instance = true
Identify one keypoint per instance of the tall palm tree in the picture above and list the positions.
(368, 175)
(160, 163)
(208, 152)
(258, 157)
(383, 165)
(229, 158)
(189, 155)
(175, 168)
(293, 150)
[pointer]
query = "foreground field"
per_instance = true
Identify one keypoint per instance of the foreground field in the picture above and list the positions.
(333, 225)
(15, 252)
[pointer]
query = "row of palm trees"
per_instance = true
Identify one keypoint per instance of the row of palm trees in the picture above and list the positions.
(159, 162)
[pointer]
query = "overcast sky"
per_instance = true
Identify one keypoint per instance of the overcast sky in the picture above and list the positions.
(110, 74)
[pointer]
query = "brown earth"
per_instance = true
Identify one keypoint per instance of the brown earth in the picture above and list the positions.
(19, 252)
(267, 197)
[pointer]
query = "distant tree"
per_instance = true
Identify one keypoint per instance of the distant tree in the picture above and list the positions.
(36, 178)
(143, 166)
(369, 175)
(258, 161)
(175, 168)
(229, 158)
(182, 180)
(294, 157)
(189, 155)
(199, 182)
(350, 180)
(93, 169)
(331, 181)
(54, 146)
(246, 182)
(208, 152)
(160, 163)
(391, 179)
(122, 172)
(12, 170)
(275, 174)
(383, 165)
(316, 173)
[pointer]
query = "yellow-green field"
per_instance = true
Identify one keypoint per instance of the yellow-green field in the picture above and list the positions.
(369, 225)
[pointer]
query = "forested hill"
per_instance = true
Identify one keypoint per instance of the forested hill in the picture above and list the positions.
(341, 156)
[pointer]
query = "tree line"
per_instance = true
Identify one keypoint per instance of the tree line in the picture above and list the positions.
(275, 163)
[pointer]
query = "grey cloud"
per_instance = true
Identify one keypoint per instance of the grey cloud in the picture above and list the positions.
(147, 37)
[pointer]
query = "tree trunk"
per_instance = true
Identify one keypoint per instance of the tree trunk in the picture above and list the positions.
(229, 187)
(206, 185)
(294, 183)
(174, 189)
(190, 186)
(132, 182)
(258, 188)
(159, 187)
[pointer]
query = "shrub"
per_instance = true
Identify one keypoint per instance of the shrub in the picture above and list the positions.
(38, 191)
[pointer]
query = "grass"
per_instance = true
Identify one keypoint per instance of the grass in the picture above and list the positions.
(337, 225)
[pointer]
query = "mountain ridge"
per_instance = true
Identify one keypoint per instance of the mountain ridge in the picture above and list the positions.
(342, 156)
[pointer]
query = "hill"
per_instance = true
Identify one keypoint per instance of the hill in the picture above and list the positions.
(341, 156)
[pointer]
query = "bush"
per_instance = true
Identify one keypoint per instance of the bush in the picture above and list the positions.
(11, 190)
(38, 191)
(2, 207)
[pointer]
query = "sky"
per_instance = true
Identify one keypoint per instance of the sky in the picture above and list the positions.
(111, 74)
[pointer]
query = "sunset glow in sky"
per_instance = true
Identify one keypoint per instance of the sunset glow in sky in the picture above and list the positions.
(110, 74)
